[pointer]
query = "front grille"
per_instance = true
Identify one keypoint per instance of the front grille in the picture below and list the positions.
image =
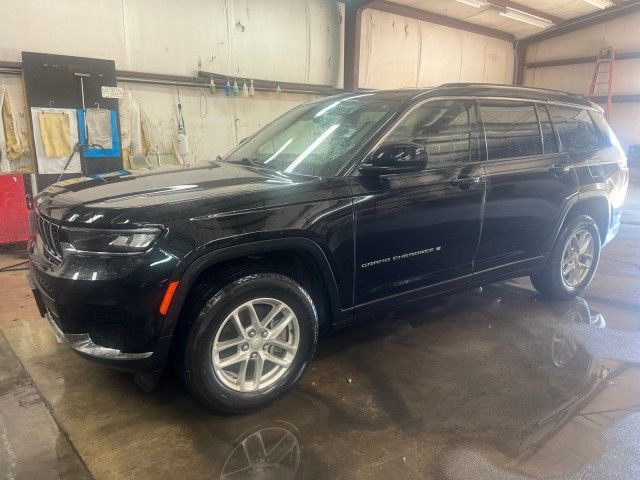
(48, 232)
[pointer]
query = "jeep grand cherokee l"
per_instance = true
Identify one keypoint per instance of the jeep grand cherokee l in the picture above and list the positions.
(338, 209)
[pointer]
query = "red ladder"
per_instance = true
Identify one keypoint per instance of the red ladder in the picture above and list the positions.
(604, 67)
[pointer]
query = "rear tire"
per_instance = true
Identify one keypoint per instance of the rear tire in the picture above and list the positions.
(231, 324)
(573, 260)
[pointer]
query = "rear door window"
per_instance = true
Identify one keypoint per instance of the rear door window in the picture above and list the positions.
(511, 129)
(575, 128)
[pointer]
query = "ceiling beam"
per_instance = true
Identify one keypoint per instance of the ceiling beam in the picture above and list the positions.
(358, 4)
(525, 9)
(582, 22)
(561, 62)
(423, 15)
(352, 39)
(520, 58)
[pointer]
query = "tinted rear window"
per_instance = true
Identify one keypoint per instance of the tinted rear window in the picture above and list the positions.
(511, 129)
(607, 137)
(575, 129)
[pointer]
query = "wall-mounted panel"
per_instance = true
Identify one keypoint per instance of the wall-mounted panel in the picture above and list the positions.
(399, 52)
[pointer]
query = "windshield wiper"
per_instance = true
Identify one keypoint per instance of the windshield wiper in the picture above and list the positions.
(252, 163)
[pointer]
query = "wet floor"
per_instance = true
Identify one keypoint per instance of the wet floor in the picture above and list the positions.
(490, 384)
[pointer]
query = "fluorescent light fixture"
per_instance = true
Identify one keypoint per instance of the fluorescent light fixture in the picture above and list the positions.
(474, 3)
(601, 4)
(525, 17)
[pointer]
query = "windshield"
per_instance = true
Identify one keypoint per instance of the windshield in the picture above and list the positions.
(316, 138)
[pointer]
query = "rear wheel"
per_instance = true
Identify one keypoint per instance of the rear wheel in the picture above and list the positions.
(249, 342)
(573, 260)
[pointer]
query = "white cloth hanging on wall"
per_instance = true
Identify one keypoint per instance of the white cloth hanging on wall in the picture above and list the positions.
(55, 164)
(5, 166)
(13, 146)
(99, 127)
(131, 124)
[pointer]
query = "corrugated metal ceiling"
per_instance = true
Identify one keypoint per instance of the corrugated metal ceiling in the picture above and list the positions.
(489, 15)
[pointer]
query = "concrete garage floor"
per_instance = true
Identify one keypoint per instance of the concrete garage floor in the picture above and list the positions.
(491, 384)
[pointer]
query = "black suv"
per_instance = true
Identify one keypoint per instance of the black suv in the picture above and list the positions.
(338, 209)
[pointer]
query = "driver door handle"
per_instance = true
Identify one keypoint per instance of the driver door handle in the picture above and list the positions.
(560, 169)
(464, 182)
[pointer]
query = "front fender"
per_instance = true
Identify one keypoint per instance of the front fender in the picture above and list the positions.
(188, 277)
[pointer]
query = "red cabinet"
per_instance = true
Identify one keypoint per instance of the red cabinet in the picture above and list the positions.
(15, 202)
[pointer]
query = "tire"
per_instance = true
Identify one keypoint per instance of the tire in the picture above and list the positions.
(551, 282)
(211, 322)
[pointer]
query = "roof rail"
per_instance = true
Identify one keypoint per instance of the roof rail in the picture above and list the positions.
(514, 87)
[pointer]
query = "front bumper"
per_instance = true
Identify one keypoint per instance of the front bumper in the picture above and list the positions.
(81, 343)
(105, 309)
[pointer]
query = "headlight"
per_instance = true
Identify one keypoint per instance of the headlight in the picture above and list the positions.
(77, 240)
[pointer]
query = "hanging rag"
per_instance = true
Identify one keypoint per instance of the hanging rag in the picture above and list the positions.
(99, 127)
(5, 166)
(131, 124)
(54, 128)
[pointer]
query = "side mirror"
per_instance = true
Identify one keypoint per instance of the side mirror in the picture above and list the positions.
(395, 158)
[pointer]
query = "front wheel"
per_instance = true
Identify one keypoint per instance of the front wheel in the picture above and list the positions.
(572, 262)
(249, 342)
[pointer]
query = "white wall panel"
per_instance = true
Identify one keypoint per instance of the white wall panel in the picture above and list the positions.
(580, 43)
(165, 36)
(391, 50)
(473, 47)
(498, 61)
(436, 63)
(398, 52)
(625, 121)
(70, 27)
(624, 35)
(569, 78)
(623, 32)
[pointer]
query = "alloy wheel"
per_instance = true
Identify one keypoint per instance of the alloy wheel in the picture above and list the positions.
(255, 345)
(577, 259)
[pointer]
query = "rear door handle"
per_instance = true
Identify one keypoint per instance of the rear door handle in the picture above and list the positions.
(464, 182)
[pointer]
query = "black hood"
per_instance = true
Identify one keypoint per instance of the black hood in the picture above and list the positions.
(124, 196)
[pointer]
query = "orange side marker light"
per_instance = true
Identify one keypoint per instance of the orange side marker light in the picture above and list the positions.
(168, 295)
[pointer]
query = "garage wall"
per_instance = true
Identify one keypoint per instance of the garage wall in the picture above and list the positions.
(400, 52)
(283, 40)
(621, 32)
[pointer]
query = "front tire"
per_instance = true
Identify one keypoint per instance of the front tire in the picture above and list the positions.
(573, 260)
(249, 342)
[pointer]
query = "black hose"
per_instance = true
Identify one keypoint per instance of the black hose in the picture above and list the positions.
(14, 267)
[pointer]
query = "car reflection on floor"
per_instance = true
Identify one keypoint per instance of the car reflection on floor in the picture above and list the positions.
(273, 451)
